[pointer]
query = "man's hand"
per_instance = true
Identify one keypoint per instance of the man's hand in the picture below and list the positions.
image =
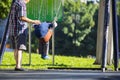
(37, 22)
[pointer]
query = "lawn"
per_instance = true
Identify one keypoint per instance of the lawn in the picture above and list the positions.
(37, 63)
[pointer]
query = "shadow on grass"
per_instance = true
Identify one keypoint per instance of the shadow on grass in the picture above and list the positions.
(35, 65)
(55, 65)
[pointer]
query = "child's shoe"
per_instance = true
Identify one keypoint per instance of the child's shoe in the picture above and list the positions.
(45, 57)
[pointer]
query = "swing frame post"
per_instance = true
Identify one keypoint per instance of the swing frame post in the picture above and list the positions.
(5, 36)
(53, 47)
(53, 36)
(29, 37)
(115, 35)
(105, 35)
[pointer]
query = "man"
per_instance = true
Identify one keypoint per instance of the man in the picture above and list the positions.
(18, 30)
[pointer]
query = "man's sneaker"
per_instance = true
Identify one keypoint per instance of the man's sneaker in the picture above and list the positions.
(20, 69)
(46, 57)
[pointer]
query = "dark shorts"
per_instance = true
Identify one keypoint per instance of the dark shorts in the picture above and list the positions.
(19, 42)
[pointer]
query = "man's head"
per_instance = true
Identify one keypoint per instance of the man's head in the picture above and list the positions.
(26, 1)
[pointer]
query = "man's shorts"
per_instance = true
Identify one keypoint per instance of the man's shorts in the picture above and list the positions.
(19, 42)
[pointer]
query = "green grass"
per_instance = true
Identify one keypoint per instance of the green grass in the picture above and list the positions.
(8, 62)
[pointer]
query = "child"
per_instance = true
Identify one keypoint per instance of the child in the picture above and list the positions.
(44, 32)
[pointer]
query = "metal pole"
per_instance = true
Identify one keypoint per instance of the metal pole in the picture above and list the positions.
(53, 47)
(5, 36)
(29, 44)
(105, 35)
(115, 35)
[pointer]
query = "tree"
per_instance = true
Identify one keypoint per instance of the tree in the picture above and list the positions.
(4, 8)
(71, 33)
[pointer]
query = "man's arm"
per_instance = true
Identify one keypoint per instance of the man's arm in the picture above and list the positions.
(30, 20)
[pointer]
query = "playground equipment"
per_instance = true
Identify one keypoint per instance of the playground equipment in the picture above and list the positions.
(5, 37)
(50, 10)
(107, 37)
(45, 10)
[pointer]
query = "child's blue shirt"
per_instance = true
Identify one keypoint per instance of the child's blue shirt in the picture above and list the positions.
(42, 29)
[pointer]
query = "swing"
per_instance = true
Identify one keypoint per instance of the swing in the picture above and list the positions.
(44, 31)
(45, 10)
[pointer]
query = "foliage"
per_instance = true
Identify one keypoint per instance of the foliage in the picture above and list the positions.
(34, 42)
(4, 8)
(71, 33)
(91, 39)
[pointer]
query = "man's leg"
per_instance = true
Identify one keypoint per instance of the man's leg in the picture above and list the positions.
(20, 45)
(18, 58)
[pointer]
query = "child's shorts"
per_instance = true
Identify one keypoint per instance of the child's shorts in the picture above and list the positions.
(47, 37)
